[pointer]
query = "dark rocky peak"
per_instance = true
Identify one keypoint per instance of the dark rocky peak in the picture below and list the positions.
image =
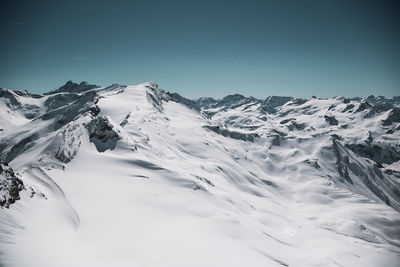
(71, 87)
(205, 102)
(271, 103)
(232, 98)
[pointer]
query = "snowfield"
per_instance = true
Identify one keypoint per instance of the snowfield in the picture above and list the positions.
(137, 176)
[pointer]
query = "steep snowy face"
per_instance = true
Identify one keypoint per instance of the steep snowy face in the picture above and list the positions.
(137, 176)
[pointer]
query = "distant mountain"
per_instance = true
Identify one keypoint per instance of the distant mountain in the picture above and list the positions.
(71, 87)
(137, 176)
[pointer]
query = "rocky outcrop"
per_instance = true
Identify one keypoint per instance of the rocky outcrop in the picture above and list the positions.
(232, 134)
(331, 120)
(10, 186)
(102, 134)
(156, 96)
(70, 141)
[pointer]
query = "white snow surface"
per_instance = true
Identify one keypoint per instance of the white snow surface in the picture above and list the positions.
(134, 177)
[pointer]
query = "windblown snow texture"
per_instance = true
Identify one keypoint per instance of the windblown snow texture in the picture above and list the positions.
(137, 176)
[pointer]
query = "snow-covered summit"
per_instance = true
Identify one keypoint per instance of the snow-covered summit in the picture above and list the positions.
(138, 176)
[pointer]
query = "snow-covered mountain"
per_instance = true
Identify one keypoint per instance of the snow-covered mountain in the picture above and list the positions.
(137, 176)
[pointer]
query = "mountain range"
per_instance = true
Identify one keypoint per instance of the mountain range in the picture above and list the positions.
(138, 176)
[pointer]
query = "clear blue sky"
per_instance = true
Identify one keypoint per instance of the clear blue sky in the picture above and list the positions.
(205, 48)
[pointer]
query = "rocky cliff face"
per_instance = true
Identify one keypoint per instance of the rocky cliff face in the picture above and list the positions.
(10, 186)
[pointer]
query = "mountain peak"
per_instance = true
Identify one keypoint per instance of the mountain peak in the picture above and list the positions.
(71, 87)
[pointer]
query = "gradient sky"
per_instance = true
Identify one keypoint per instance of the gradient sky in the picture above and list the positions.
(205, 48)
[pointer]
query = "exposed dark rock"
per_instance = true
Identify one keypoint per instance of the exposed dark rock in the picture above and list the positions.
(125, 121)
(394, 116)
(156, 96)
(270, 104)
(380, 153)
(71, 87)
(268, 182)
(114, 86)
(102, 134)
(232, 134)
(349, 107)
(187, 102)
(298, 101)
(363, 106)
(59, 100)
(230, 100)
(296, 126)
(390, 131)
(378, 108)
(331, 120)
(10, 186)
(30, 111)
(370, 175)
(341, 163)
(205, 102)
(313, 163)
(204, 180)
(86, 103)
(12, 100)
(346, 100)
(393, 172)
(276, 140)
(286, 121)
(369, 139)
(25, 93)
(331, 107)
(23, 145)
(70, 141)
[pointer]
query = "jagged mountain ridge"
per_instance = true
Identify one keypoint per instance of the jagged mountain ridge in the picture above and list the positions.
(316, 153)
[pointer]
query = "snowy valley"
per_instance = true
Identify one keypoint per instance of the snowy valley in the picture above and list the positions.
(138, 176)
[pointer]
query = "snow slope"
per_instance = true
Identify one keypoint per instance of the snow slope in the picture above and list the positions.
(136, 176)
